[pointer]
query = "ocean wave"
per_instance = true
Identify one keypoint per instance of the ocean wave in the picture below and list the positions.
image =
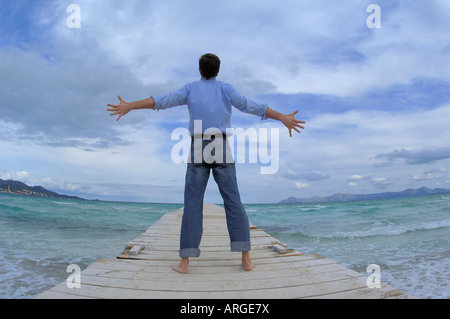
(311, 208)
(64, 203)
(387, 230)
(9, 208)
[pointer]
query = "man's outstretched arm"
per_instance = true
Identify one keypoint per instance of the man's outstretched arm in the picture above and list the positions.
(124, 107)
(288, 120)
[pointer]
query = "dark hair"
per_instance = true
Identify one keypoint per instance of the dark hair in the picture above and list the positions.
(209, 65)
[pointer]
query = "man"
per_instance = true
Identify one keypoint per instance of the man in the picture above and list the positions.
(210, 101)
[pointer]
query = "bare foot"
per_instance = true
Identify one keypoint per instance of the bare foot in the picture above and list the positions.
(182, 267)
(246, 261)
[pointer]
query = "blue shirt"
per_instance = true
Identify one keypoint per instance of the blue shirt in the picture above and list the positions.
(210, 101)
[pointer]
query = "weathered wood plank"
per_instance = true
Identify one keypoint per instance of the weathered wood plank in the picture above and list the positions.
(302, 291)
(218, 283)
(216, 266)
(231, 275)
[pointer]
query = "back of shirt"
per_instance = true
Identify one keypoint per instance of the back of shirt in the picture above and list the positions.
(210, 101)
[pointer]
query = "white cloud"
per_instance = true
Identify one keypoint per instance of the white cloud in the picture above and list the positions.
(420, 156)
(346, 146)
(299, 185)
(309, 176)
(430, 174)
(22, 176)
(358, 177)
(325, 47)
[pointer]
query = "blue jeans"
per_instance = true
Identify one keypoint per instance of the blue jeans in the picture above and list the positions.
(197, 176)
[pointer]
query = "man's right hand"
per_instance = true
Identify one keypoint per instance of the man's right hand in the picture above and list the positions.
(120, 109)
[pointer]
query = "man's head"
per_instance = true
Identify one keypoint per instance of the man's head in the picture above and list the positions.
(209, 65)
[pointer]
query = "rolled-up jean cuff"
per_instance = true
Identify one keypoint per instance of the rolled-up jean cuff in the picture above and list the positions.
(189, 252)
(240, 245)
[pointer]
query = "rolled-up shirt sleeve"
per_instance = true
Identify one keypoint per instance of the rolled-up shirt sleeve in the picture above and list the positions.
(246, 105)
(172, 99)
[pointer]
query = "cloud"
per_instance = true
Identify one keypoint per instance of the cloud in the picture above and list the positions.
(380, 182)
(414, 157)
(311, 176)
(430, 174)
(299, 185)
(22, 176)
(358, 177)
(374, 59)
(65, 102)
(325, 47)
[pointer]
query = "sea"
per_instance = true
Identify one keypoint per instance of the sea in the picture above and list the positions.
(407, 238)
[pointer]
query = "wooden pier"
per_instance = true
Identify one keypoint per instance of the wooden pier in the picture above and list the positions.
(144, 269)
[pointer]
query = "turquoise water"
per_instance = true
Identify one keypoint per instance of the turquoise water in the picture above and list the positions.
(40, 237)
(407, 238)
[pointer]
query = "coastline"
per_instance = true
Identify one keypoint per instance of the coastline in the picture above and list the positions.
(19, 188)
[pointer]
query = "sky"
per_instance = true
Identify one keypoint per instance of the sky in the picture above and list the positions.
(376, 100)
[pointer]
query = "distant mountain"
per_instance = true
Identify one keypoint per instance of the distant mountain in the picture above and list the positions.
(15, 187)
(338, 197)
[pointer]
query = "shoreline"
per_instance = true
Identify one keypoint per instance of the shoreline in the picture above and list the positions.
(69, 197)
